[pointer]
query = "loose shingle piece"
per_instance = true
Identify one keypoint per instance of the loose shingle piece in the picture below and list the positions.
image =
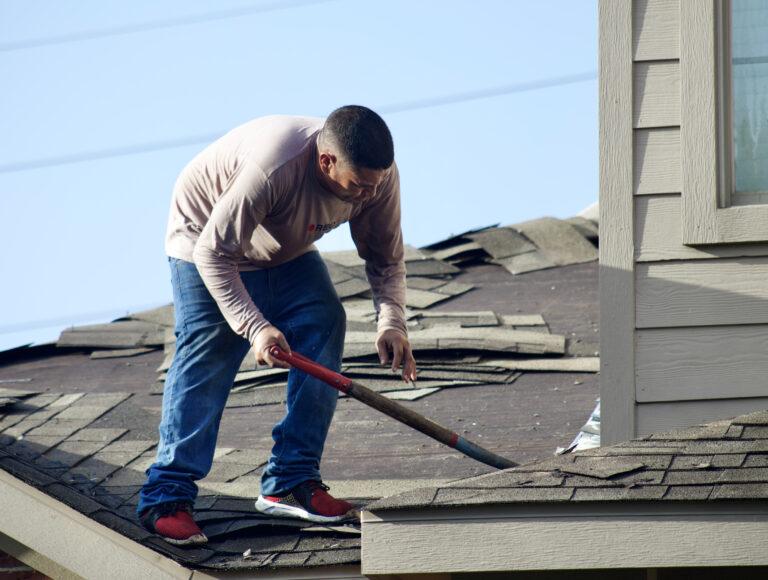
(525, 247)
(120, 334)
(15, 395)
(602, 468)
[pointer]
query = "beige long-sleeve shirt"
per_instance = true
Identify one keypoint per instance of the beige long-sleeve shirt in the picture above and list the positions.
(252, 200)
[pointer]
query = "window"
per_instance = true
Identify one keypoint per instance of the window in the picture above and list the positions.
(724, 120)
(744, 101)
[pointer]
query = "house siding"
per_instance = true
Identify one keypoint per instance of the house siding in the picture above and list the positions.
(700, 331)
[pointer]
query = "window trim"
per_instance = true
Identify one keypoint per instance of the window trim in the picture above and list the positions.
(708, 215)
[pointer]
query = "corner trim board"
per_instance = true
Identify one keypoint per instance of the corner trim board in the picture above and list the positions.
(617, 285)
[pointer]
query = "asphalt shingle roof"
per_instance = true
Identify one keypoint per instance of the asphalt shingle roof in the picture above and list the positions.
(723, 460)
(80, 422)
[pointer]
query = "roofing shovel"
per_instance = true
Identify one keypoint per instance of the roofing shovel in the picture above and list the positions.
(391, 408)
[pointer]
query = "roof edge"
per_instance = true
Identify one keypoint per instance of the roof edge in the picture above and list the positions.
(71, 540)
(342, 572)
(590, 536)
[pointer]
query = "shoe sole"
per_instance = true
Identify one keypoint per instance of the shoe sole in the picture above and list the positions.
(279, 510)
(197, 539)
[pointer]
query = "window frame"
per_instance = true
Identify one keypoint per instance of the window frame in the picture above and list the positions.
(709, 213)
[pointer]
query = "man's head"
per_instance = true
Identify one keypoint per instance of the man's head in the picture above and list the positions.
(354, 150)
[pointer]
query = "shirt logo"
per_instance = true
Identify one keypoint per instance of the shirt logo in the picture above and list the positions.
(322, 228)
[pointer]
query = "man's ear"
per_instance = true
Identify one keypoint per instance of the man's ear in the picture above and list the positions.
(327, 160)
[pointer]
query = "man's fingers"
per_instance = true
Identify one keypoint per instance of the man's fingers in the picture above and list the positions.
(283, 344)
(409, 368)
(266, 339)
(274, 362)
(381, 346)
(397, 356)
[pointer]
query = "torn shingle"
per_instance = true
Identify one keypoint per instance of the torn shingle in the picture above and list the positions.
(17, 394)
(423, 298)
(558, 240)
(423, 283)
(454, 288)
(502, 242)
(352, 287)
(690, 461)
(411, 395)
(652, 462)
(123, 334)
(585, 227)
(162, 315)
(602, 468)
(573, 365)
(452, 252)
(430, 267)
(528, 262)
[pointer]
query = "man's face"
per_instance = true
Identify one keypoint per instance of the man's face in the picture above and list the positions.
(351, 184)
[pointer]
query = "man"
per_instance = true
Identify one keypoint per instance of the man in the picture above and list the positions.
(244, 216)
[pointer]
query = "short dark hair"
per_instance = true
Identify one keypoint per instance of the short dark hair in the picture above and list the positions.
(362, 137)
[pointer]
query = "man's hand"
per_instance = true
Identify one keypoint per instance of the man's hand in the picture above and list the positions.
(266, 338)
(395, 343)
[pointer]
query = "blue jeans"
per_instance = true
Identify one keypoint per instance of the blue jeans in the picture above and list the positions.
(299, 299)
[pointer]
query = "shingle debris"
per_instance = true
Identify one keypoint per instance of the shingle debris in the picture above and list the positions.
(519, 248)
(503, 345)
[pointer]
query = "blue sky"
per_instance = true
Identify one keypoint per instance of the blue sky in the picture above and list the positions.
(83, 242)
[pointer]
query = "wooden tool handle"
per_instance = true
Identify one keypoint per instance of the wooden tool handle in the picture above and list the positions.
(392, 408)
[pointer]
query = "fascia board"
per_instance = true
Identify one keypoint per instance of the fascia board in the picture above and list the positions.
(346, 572)
(73, 541)
(565, 537)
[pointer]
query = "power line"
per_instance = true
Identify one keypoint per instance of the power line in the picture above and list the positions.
(108, 153)
(162, 145)
(487, 93)
(154, 25)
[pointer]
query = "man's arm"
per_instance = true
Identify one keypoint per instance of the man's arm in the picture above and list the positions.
(378, 237)
(231, 229)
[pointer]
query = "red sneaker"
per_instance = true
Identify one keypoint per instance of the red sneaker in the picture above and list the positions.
(173, 521)
(309, 501)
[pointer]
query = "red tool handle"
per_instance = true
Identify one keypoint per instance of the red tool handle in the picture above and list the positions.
(334, 379)
(392, 408)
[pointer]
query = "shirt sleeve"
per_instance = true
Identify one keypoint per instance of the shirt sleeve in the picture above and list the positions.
(378, 237)
(231, 230)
